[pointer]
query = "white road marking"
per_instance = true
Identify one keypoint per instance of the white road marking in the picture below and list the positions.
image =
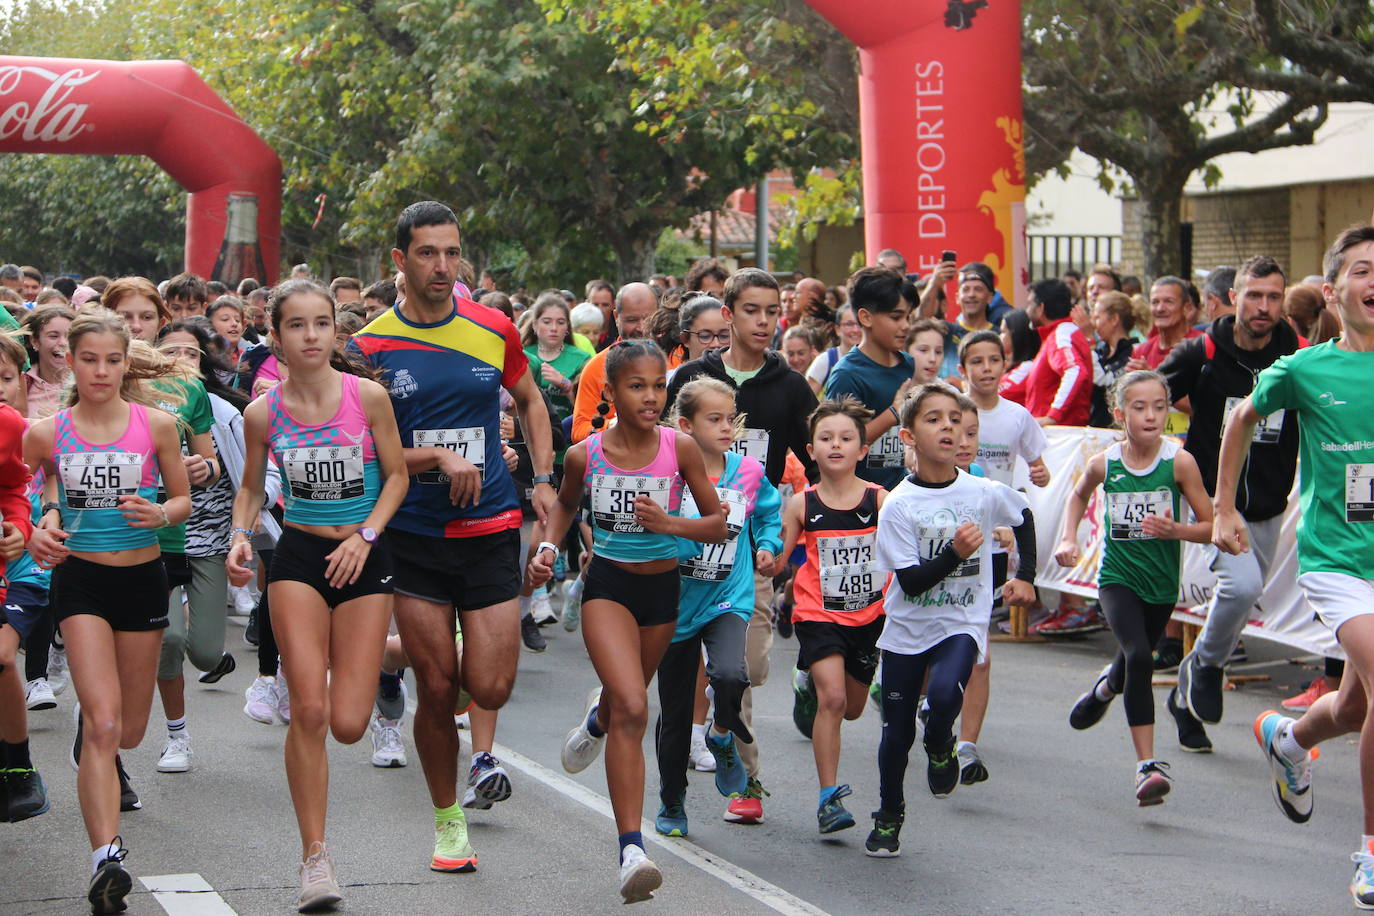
(742, 880)
(186, 895)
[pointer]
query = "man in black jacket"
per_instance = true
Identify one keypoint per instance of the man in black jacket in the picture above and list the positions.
(1215, 372)
(775, 402)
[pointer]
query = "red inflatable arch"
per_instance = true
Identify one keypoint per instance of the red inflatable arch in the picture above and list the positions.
(160, 109)
(940, 115)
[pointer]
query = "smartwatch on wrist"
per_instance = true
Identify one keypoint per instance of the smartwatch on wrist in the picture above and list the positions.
(368, 534)
(547, 545)
(543, 478)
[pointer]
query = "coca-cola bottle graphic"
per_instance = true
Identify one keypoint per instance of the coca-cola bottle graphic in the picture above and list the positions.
(239, 254)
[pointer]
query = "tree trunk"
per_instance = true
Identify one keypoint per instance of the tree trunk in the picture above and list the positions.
(1159, 227)
(634, 256)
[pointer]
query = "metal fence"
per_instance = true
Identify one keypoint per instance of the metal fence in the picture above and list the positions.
(1051, 255)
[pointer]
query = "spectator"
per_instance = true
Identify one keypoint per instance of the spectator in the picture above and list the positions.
(1216, 294)
(1058, 388)
(30, 283)
(1101, 280)
(1169, 301)
(1112, 320)
(10, 277)
(1073, 279)
(345, 290)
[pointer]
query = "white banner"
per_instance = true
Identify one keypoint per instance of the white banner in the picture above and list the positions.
(1282, 613)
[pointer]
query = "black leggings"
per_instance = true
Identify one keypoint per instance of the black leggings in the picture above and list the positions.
(267, 640)
(677, 688)
(950, 662)
(1137, 627)
(36, 646)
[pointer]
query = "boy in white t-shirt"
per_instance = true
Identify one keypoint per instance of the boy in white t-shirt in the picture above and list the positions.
(1006, 432)
(935, 533)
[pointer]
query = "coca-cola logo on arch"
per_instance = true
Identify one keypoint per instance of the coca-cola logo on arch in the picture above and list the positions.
(52, 118)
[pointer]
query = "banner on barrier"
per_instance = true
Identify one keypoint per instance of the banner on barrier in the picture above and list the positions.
(1282, 613)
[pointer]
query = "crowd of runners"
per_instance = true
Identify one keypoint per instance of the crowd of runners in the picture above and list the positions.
(412, 475)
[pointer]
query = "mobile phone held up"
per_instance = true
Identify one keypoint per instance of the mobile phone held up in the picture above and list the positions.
(948, 255)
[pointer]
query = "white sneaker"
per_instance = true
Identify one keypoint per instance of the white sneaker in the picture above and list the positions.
(581, 747)
(283, 698)
(387, 748)
(572, 604)
(700, 758)
(176, 756)
(639, 877)
(59, 676)
(261, 697)
(541, 609)
(38, 695)
(461, 721)
(243, 599)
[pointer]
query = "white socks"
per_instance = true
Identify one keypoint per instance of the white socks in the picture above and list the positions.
(1102, 691)
(100, 854)
(1287, 745)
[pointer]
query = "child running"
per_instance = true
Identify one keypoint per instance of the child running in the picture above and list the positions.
(838, 591)
(935, 533)
(1328, 387)
(333, 437)
(716, 604)
(634, 474)
(101, 457)
(23, 593)
(1142, 478)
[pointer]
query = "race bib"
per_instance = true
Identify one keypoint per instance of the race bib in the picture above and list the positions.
(613, 499)
(997, 461)
(96, 480)
(1126, 512)
(1176, 423)
(1359, 492)
(1267, 431)
(887, 451)
(324, 473)
(752, 443)
(933, 542)
(715, 561)
(470, 442)
(850, 577)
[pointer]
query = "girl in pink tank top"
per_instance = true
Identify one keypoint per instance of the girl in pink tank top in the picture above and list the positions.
(633, 473)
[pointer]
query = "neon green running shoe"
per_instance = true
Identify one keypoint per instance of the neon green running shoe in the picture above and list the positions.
(452, 851)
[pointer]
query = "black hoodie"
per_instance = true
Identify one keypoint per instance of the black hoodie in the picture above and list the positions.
(777, 401)
(1210, 371)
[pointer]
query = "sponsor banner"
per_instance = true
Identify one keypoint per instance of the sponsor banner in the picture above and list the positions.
(1282, 613)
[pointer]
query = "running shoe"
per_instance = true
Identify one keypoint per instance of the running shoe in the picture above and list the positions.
(74, 756)
(639, 877)
(1199, 686)
(942, 769)
(226, 665)
(731, 779)
(747, 808)
(1362, 885)
(1168, 654)
(803, 702)
(540, 608)
(1238, 654)
(128, 798)
(572, 604)
(1310, 694)
(884, 839)
(1151, 783)
(388, 750)
(831, 815)
(452, 851)
(488, 782)
(782, 617)
(176, 754)
(319, 888)
(699, 757)
(529, 634)
(24, 795)
(672, 815)
(972, 769)
(1068, 621)
(1089, 710)
(260, 700)
(38, 695)
(111, 883)
(1192, 737)
(875, 695)
(250, 632)
(580, 748)
(59, 675)
(1290, 782)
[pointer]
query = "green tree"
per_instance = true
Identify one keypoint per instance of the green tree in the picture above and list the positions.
(1135, 86)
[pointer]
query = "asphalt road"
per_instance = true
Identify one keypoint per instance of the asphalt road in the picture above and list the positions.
(1055, 830)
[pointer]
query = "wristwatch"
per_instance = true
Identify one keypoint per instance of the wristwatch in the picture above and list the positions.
(48, 507)
(543, 478)
(368, 534)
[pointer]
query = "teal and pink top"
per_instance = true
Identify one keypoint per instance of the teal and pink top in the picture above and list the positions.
(329, 471)
(91, 477)
(612, 492)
